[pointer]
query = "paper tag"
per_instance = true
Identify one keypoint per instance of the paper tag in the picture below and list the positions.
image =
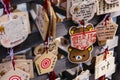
(100, 57)
(15, 31)
(16, 75)
(104, 67)
(83, 11)
(46, 63)
(110, 62)
(103, 7)
(105, 32)
(82, 40)
(100, 69)
(83, 76)
(53, 47)
(42, 21)
(111, 1)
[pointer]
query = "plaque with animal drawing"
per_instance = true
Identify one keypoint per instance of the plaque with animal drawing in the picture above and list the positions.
(82, 40)
(79, 56)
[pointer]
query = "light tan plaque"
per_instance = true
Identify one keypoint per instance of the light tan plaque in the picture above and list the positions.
(105, 32)
(42, 21)
(25, 65)
(16, 75)
(53, 20)
(46, 63)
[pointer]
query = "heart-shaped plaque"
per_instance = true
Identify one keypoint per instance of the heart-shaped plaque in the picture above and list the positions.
(84, 11)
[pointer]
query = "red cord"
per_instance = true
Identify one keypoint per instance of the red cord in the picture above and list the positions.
(106, 53)
(45, 5)
(13, 63)
(102, 78)
(107, 19)
(52, 76)
(82, 22)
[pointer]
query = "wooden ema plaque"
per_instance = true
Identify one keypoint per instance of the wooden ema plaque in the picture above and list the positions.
(82, 40)
(25, 65)
(53, 20)
(42, 21)
(14, 32)
(4, 18)
(105, 32)
(83, 11)
(46, 63)
(16, 75)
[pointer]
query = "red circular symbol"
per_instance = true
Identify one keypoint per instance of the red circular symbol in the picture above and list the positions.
(15, 77)
(45, 63)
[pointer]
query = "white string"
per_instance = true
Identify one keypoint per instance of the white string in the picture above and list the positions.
(81, 66)
(12, 56)
(11, 53)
